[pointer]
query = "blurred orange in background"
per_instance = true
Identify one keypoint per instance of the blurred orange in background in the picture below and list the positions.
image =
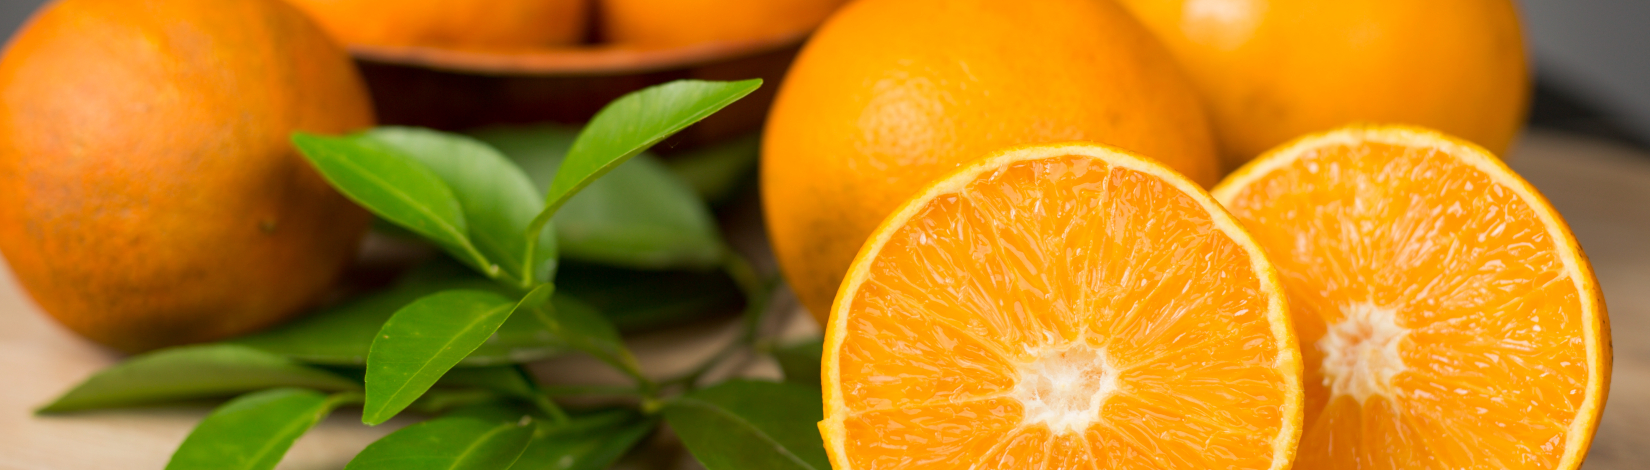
(467, 24)
(1271, 70)
(148, 193)
(890, 94)
(687, 22)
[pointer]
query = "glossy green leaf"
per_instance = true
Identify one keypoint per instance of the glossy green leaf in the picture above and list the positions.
(497, 197)
(591, 442)
(635, 122)
(477, 438)
(427, 338)
(538, 149)
(645, 300)
(743, 425)
(639, 215)
(253, 432)
(629, 125)
(717, 170)
(801, 361)
(192, 373)
(343, 335)
(395, 187)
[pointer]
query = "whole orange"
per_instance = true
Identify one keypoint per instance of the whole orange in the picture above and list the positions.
(687, 22)
(1271, 70)
(148, 192)
(468, 24)
(891, 94)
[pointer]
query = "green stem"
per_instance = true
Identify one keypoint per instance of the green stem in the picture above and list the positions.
(757, 294)
(536, 228)
(628, 367)
(539, 398)
(550, 408)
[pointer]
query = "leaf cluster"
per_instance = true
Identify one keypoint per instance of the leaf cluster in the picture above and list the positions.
(555, 240)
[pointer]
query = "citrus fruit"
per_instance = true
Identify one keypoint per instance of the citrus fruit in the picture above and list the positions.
(890, 94)
(1447, 317)
(1065, 306)
(493, 24)
(1271, 70)
(148, 192)
(686, 22)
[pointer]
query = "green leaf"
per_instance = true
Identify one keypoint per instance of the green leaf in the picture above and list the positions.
(537, 149)
(630, 125)
(478, 438)
(590, 442)
(343, 335)
(497, 197)
(395, 187)
(639, 215)
(740, 425)
(640, 300)
(191, 373)
(717, 170)
(253, 431)
(427, 338)
(637, 121)
(801, 361)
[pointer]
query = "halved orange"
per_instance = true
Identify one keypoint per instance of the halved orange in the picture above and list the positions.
(1447, 316)
(1063, 306)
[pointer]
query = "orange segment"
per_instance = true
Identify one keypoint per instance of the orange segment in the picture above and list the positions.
(1061, 306)
(1446, 315)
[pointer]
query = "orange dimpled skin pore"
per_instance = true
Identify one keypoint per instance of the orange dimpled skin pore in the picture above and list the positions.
(890, 94)
(149, 195)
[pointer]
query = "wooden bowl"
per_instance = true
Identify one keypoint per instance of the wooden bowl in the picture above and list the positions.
(457, 89)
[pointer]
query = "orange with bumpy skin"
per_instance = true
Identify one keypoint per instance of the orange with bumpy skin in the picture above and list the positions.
(1064, 306)
(148, 192)
(491, 24)
(666, 23)
(890, 94)
(1447, 317)
(1271, 70)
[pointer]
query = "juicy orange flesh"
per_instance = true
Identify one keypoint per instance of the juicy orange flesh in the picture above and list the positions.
(1049, 255)
(1494, 365)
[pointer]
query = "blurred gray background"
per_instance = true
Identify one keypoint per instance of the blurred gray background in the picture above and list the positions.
(1592, 59)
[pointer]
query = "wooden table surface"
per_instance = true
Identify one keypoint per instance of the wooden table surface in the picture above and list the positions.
(1602, 189)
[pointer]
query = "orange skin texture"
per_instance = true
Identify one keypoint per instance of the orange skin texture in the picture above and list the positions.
(891, 94)
(149, 195)
(667, 23)
(491, 24)
(1271, 70)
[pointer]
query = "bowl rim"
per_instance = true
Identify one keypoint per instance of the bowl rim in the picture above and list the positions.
(596, 59)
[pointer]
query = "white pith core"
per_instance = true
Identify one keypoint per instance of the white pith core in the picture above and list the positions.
(1064, 388)
(1361, 352)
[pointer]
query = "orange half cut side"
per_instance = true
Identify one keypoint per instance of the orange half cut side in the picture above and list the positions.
(1447, 317)
(1063, 306)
